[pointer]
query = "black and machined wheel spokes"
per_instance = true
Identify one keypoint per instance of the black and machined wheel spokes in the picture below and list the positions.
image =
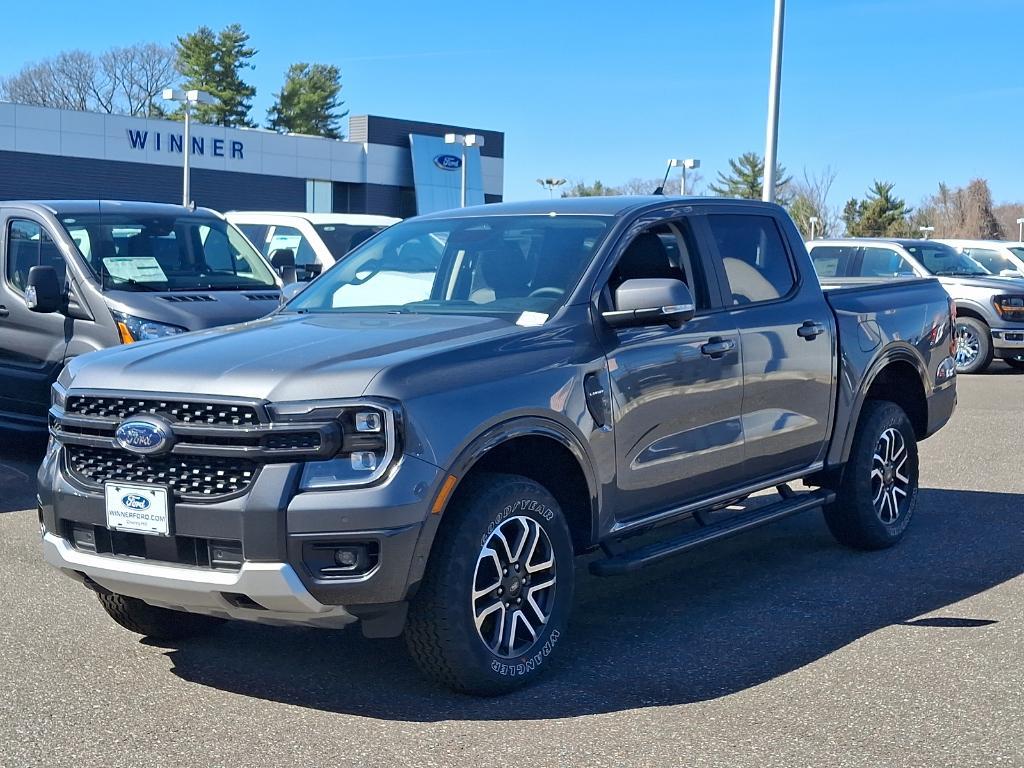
(513, 586)
(890, 480)
(968, 346)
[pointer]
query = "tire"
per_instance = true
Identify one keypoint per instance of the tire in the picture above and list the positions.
(469, 557)
(157, 623)
(974, 346)
(883, 466)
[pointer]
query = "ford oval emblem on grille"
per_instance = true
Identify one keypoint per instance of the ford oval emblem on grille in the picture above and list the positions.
(448, 162)
(147, 437)
(135, 501)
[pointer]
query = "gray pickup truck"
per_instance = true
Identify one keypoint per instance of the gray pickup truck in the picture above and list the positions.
(82, 275)
(424, 437)
(989, 308)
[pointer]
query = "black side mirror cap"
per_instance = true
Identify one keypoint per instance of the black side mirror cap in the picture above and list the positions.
(651, 301)
(43, 291)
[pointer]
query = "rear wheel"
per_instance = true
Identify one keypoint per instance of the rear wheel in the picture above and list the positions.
(878, 492)
(158, 623)
(496, 595)
(973, 346)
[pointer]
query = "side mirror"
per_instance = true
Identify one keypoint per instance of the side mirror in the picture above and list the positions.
(1009, 273)
(651, 301)
(43, 291)
(291, 290)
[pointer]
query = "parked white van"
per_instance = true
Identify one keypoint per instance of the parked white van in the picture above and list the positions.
(311, 242)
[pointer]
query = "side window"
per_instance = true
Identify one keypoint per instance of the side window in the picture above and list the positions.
(884, 262)
(222, 253)
(754, 256)
(257, 234)
(832, 260)
(664, 251)
(29, 245)
(289, 238)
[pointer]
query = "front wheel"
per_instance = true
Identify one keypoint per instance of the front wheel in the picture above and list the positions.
(973, 346)
(158, 623)
(878, 491)
(496, 595)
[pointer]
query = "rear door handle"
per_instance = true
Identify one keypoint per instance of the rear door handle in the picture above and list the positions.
(4, 312)
(810, 330)
(716, 347)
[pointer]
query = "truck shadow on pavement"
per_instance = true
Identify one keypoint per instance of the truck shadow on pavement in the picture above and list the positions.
(19, 458)
(721, 620)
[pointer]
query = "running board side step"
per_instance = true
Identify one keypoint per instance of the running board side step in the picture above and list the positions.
(649, 554)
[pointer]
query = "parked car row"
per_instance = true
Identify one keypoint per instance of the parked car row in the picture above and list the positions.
(984, 279)
(424, 437)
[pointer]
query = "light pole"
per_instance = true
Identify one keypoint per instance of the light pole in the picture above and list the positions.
(467, 140)
(689, 162)
(814, 223)
(188, 99)
(1020, 230)
(771, 143)
(925, 231)
(550, 183)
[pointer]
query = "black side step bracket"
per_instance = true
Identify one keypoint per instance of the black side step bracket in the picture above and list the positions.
(634, 560)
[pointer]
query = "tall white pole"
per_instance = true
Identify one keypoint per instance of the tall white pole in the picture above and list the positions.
(772, 137)
(187, 149)
(682, 183)
(463, 175)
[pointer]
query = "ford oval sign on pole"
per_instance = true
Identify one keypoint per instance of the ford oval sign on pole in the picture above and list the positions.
(448, 162)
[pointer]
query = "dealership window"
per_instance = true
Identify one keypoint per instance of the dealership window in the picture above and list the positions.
(319, 196)
(29, 245)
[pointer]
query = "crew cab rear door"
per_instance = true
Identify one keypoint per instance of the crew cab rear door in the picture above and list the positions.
(787, 337)
(676, 392)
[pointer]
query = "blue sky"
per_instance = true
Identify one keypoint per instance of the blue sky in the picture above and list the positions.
(911, 91)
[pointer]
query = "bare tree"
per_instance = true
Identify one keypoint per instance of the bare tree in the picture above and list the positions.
(638, 186)
(1007, 215)
(810, 199)
(122, 80)
(961, 212)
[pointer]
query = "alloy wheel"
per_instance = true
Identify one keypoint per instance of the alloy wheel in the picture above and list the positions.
(890, 483)
(968, 346)
(513, 586)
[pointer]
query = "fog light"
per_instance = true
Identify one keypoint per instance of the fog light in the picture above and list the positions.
(346, 558)
(365, 461)
(368, 421)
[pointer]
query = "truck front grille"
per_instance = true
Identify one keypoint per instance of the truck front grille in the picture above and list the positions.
(199, 478)
(176, 410)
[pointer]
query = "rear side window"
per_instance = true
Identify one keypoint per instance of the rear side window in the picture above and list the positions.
(832, 260)
(884, 262)
(29, 245)
(757, 266)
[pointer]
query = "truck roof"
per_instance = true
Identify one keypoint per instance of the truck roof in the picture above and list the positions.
(612, 205)
(61, 207)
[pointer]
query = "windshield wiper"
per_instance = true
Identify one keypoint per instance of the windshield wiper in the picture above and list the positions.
(135, 284)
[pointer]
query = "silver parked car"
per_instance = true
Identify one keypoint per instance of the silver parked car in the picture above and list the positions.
(990, 308)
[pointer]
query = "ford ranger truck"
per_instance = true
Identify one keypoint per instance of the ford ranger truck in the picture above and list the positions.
(557, 378)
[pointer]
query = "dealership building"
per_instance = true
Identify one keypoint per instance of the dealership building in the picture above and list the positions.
(384, 166)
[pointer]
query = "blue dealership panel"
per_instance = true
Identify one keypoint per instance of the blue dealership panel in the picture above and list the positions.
(437, 174)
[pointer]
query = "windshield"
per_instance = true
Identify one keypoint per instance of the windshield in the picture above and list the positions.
(1018, 252)
(940, 259)
(342, 238)
(993, 261)
(515, 267)
(165, 252)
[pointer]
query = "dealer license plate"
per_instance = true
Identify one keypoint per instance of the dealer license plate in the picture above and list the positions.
(138, 508)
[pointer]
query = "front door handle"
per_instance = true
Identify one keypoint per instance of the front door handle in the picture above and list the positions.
(4, 312)
(810, 330)
(716, 347)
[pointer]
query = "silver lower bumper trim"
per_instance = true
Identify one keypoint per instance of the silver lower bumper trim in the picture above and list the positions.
(999, 340)
(274, 586)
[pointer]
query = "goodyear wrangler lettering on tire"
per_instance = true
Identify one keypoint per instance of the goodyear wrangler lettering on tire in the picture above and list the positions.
(514, 670)
(528, 505)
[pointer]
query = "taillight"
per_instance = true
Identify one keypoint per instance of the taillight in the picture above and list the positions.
(952, 326)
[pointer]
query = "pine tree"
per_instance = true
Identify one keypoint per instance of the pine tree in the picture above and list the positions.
(213, 63)
(309, 101)
(879, 214)
(746, 179)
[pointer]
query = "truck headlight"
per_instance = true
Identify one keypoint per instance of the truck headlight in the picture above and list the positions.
(1010, 307)
(131, 328)
(369, 441)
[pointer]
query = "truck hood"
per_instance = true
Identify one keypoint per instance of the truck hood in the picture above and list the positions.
(279, 358)
(995, 284)
(198, 309)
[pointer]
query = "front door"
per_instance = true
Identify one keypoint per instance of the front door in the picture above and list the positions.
(676, 392)
(32, 345)
(787, 336)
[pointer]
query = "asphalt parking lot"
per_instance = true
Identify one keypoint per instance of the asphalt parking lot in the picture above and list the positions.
(778, 648)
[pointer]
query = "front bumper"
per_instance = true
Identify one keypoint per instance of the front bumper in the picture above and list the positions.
(1008, 342)
(275, 587)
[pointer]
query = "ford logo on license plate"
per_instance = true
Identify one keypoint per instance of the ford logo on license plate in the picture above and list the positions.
(135, 501)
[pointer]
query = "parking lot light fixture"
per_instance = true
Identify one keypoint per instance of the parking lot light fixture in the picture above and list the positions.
(550, 184)
(1020, 230)
(673, 162)
(813, 221)
(188, 99)
(464, 141)
(925, 231)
